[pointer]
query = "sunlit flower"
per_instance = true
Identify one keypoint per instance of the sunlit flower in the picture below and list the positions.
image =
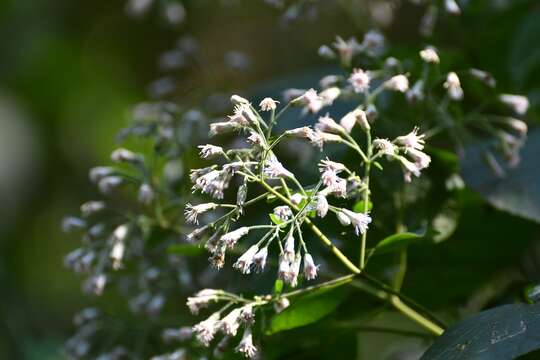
(268, 104)
(208, 151)
(310, 269)
(397, 83)
(518, 103)
(230, 238)
(453, 86)
(359, 80)
(205, 330)
(244, 262)
(429, 55)
(192, 212)
(360, 221)
(412, 140)
(246, 346)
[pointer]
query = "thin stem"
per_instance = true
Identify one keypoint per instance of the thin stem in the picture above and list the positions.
(366, 197)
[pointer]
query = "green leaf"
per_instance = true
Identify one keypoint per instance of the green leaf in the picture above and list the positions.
(359, 206)
(185, 249)
(504, 332)
(275, 219)
(397, 241)
(278, 286)
(307, 309)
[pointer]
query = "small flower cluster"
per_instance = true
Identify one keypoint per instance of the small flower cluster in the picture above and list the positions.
(505, 126)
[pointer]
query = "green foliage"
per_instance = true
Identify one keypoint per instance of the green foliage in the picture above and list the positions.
(308, 309)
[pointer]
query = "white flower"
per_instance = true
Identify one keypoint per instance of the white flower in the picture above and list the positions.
(222, 127)
(412, 140)
(310, 269)
(373, 43)
(205, 330)
(109, 183)
(192, 212)
(328, 165)
(230, 238)
(213, 183)
(237, 100)
(409, 168)
(327, 124)
(397, 83)
(297, 198)
(283, 269)
(117, 254)
(359, 80)
(230, 323)
(92, 207)
(518, 125)
(339, 187)
(99, 172)
(360, 221)
(145, 194)
(343, 218)
(310, 100)
(329, 80)
(483, 76)
(246, 346)
(329, 95)
(283, 213)
(243, 115)
(322, 205)
(268, 104)
(274, 169)
(259, 260)
(325, 52)
(124, 155)
(294, 269)
(281, 304)
(420, 158)
(302, 132)
(346, 49)
(201, 300)
(244, 262)
(429, 55)
(120, 233)
(518, 103)
(319, 138)
(208, 151)
(453, 86)
(288, 252)
(357, 116)
(246, 314)
(452, 7)
(385, 146)
(255, 139)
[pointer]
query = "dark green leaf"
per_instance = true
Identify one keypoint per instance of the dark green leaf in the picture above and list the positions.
(397, 241)
(307, 309)
(504, 332)
(518, 192)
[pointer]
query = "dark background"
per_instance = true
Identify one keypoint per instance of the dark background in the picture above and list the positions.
(71, 70)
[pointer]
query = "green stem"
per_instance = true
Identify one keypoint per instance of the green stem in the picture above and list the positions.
(366, 197)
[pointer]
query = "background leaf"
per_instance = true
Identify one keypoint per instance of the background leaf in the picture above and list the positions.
(505, 332)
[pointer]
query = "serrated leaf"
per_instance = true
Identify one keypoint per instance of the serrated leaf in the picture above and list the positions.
(185, 249)
(307, 309)
(504, 332)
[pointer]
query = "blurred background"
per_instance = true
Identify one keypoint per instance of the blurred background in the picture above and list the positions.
(70, 72)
